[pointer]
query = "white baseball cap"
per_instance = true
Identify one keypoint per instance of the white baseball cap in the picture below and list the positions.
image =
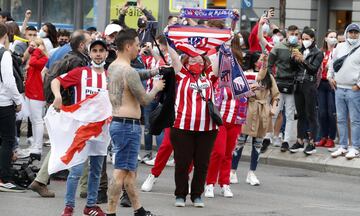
(111, 28)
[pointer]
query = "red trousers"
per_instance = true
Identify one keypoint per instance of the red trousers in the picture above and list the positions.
(163, 154)
(221, 155)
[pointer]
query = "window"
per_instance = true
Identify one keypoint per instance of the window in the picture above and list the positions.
(19, 7)
(58, 12)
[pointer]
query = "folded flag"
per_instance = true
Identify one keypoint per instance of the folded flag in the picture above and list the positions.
(195, 41)
(78, 131)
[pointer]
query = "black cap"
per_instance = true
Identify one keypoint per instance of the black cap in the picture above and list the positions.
(7, 15)
(98, 42)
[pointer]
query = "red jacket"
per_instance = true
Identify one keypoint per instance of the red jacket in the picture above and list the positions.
(33, 83)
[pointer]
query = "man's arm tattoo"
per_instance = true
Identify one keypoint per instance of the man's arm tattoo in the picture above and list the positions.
(137, 89)
(147, 74)
(116, 85)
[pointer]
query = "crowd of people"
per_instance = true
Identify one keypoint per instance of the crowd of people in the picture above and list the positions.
(300, 97)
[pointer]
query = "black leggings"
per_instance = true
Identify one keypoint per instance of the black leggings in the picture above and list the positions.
(306, 102)
(196, 147)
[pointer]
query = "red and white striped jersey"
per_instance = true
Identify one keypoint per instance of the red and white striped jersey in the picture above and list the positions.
(85, 80)
(191, 111)
(232, 110)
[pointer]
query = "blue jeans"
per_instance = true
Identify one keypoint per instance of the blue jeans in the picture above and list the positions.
(348, 104)
(148, 137)
(256, 144)
(327, 110)
(126, 144)
(95, 167)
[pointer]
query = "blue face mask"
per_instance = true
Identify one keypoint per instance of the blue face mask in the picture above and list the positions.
(293, 39)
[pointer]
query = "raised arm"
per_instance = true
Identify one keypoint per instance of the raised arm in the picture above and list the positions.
(26, 20)
(175, 59)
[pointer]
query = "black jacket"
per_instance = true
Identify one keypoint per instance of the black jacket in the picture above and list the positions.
(307, 71)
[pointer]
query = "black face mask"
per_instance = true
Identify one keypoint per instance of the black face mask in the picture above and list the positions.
(62, 43)
(141, 23)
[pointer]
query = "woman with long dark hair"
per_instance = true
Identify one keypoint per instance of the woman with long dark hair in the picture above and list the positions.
(49, 35)
(326, 96)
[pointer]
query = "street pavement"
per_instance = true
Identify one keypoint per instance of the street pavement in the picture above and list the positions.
(284, 191)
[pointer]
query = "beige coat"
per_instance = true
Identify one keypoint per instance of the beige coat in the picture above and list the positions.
(258, 119)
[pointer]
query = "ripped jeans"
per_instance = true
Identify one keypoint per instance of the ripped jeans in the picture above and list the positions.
(255, 151)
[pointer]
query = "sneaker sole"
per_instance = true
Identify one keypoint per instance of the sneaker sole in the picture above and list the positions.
(211, 196)
(252, 184)
(11, 191)
(283, 150)
(296, 150)
(350, 158)
(234, 182)
(198, 205)
(180, 205)
(310, 152)
(227, 196)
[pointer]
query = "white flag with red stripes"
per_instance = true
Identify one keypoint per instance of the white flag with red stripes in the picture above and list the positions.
(78, 131)
(196, 41)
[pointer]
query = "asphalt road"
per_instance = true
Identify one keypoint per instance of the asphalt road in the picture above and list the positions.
(283, 191)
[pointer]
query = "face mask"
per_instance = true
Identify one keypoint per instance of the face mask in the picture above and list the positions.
(241, 41)
(62, 43)
(196, 68)
(276, 39)
(352, 41)
(307, 43)
(42, 34)
(293, 39)
(331, 41)
(101, 65)
(141, 23)
(266, 28)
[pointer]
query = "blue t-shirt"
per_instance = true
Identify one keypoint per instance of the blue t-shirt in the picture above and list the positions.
(58, 54)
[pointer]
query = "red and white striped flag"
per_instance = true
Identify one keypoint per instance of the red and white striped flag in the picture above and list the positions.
(78, 131)
(196, 41)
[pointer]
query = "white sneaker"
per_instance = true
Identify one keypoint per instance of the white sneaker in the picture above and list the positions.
(226, 191)
(339, 152)
(22, 153)
(150, 162)
(148, 183)
(209, 191)
(353, 153)
(252, 179)
(276, 141)
(139, 158)
(233, 178)
(170, 163)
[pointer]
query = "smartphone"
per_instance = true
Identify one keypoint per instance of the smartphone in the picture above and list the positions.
(131, 3)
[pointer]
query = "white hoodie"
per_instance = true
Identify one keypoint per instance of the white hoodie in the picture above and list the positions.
(349, 74)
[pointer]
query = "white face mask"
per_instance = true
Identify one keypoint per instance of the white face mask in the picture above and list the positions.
(307, 43)
(266, 28)
(42, 34)
(101, 65)
(276, 39)
(156, 51)
(352, 41)
(331, 41)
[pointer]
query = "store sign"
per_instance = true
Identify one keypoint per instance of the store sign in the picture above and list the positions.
(247, 4)
(176, 5)
(133, 13)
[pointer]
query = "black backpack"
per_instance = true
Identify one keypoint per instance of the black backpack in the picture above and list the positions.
(19, 79)
(69, 62)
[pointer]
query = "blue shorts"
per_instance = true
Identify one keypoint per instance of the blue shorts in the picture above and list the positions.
(126, 137)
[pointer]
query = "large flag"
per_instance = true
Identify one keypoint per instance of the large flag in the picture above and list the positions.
(78, 131)
(196, 41)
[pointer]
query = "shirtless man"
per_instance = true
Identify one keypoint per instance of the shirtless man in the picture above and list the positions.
(126, 95)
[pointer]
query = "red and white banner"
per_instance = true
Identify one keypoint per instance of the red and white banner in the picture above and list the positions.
(196, 41)
(78, 131)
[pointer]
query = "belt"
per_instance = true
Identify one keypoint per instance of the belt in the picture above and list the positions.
(126, 120)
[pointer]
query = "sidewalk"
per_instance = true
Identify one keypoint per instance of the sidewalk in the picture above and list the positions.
(321, 161)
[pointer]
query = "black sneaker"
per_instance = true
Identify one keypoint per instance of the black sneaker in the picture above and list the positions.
(11, 187)
(265, 145)
(310, 149)
(284, 147)
(124, 200)
(148, 213)
(296, 147)
(102, 197)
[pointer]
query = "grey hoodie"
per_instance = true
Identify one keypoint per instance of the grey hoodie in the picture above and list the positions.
(349, 74)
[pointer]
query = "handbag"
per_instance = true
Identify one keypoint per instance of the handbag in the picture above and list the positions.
(286, 87)
(339, 62)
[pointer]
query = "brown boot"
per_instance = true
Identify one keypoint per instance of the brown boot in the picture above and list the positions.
(41, 189)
